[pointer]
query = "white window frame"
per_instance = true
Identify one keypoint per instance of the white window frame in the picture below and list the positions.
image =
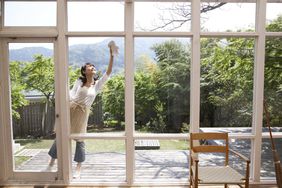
(7, 138)
(61, 35)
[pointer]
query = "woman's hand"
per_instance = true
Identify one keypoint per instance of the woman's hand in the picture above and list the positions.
(113, 48)
(111, 52)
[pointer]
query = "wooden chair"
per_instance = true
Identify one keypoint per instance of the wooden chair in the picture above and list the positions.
(223, 174)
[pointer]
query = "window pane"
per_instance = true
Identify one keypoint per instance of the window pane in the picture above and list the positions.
(267, 160)
(226, 82)
(104, 161)
(107, 110)
(273, 79)
(95, 16)
(162, 85)
(168, 163)
(273, 98)
(274, 17)
(20, 13)
(160, 16)
(242, 146)
(33, 104)
(228, 16)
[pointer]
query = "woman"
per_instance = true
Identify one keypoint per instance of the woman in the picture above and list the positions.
(82, 96)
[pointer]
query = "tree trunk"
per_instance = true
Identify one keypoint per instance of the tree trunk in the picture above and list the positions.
(44, 118)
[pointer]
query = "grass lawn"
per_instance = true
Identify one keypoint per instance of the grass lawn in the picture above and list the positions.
(20, 159)
(93, 146)
(102, 145)
(35, 143)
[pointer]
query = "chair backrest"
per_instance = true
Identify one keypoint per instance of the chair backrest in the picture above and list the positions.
(208, 136)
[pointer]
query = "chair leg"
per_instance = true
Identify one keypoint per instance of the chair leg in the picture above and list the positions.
(247, 184)
(190, 183)
(196, 183)
(225, 185)
(190, 180)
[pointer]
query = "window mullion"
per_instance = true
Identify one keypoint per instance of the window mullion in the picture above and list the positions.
(61, 84)
(5, 100)
(258, 89)
(195, 68)
(129, 91)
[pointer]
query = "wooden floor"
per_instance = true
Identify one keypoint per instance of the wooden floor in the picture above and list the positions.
(150, 166)
(156, 166)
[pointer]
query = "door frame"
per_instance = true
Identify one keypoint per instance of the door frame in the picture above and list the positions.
(6, 132)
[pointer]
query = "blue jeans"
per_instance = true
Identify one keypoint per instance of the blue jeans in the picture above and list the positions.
(79, 155)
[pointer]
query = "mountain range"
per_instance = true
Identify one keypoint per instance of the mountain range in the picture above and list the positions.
(97, 53)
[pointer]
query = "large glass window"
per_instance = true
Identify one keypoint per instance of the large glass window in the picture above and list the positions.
(273, 79)
(162, 16)
(165, 161)
(30, 13)
(107, 110)
(231, 17)
(162, 85)
(267, 159)
(273, 17)
(273, 100)
(33, 104)
(227, 67)
(162, 69)
(95, 16)
(104, 161)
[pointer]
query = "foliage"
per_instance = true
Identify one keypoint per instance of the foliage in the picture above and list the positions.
(74, 73)
(113, 98)
(273, 72)
(227, 79)
(173, 81)
(161, 90)
(162, 86)
(39, 75)
(17, 88)
(35, 76)
(226, 84)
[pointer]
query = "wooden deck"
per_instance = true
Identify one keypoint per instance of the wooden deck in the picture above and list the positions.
(150, 166)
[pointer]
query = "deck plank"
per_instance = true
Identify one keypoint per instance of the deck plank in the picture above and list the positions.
(150, 165)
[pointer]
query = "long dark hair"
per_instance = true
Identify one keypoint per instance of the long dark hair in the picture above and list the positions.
(83, 76)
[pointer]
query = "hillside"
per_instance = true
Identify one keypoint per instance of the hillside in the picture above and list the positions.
(94, 53)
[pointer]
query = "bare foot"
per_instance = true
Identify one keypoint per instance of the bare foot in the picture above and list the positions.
(52, 162)
(76, 175)
(77, 171)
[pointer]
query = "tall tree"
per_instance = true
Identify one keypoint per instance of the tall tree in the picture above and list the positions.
(113, 99)
(149, 111)
(273, 72)
(17, 88)
(39, 76)
(173, 61)
(227, 81)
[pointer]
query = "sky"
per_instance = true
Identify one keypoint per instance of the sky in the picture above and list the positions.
(107, 16)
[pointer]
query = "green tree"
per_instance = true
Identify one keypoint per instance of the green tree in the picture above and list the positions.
(113, 99)
(173, 81)
(149, 111)
(17, 88)
(39, 76)
(74, 73)
(227, 79)
(273, 72)
(227, 82)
